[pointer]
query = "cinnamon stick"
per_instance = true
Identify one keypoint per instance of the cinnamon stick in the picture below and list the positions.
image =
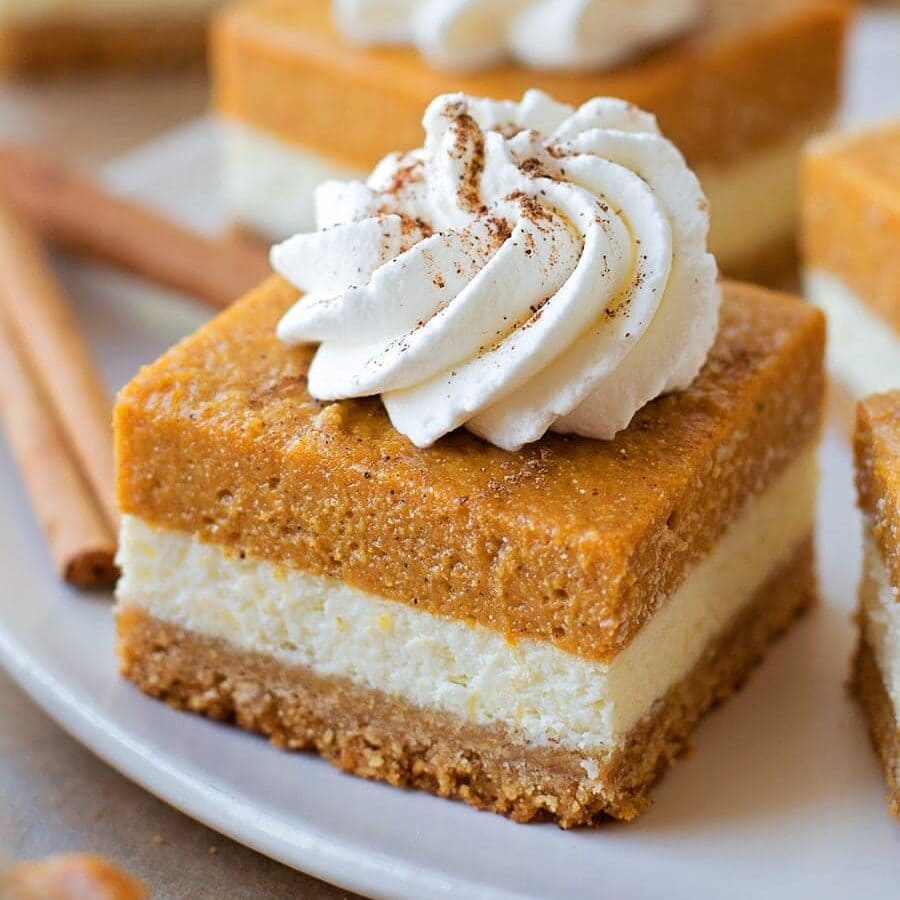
(71, 210)
(80, 541)
(40, 317)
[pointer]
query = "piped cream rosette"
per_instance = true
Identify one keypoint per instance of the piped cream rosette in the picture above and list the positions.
(532, 268)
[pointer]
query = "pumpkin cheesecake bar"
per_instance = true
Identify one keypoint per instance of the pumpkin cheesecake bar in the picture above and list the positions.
(739, 92)
(536, 633)
(60, 35)
(507, 499)
(877, 664)
(850, 236)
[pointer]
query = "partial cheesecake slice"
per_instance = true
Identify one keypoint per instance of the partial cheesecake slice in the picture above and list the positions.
(877, 665)
(300, 104)
(534, 632)
(59, 35)
(851, 236)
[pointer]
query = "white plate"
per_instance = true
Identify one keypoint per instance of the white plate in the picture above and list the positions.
(782, 797)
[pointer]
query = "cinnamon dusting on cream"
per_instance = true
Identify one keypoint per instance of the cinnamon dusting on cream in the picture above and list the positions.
(528, 280)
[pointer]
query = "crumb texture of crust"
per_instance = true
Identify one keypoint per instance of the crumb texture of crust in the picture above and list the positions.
(869, 688)
(368, 733)
(774, 265)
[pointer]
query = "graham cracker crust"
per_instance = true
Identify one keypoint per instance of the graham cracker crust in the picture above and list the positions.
(869, 688)
(371, 734)
(60, 47)
(775, 265)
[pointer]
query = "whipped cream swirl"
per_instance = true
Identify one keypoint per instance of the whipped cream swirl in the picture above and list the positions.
(532, 267)
(548, 34)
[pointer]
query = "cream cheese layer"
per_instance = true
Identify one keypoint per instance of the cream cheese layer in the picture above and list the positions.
(540, 692)
(881, 618)
(863, 351)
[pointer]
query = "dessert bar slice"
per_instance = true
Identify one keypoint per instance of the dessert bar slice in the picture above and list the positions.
(301, 103)
(534, 632)
(877, 665)
(851, 233)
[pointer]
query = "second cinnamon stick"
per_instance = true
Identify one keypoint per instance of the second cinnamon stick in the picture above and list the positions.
(39, 314)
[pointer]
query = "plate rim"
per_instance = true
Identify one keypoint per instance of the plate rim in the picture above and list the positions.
(344, 865)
